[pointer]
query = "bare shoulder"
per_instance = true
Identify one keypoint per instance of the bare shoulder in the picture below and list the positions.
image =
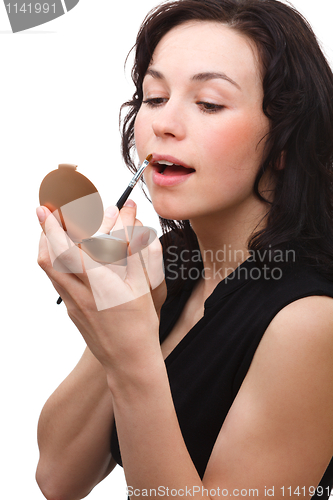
(283, 412)
(306, 314)
(296, 355)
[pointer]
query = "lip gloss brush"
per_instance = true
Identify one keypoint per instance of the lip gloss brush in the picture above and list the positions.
(137, 176)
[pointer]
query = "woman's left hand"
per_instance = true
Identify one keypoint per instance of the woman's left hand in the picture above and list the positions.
(112, 306)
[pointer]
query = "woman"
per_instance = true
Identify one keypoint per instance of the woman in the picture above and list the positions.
(233, 99)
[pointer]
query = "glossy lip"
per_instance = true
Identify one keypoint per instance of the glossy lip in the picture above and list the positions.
(169, 158)
(167, 181)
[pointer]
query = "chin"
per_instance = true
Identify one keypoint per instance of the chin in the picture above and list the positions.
(171, 213)
(174, 206)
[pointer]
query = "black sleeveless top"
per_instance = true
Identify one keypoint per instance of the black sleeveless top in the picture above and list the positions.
(208, 366)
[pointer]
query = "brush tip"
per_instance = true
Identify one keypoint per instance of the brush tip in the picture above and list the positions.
(149, 157)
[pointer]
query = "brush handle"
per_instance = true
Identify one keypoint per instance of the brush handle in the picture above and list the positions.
(134, 181)
(124, 196)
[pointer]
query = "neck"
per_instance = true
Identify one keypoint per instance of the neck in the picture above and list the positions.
(223, 239)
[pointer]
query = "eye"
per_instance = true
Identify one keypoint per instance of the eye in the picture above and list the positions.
(209, 107)
(155, 101)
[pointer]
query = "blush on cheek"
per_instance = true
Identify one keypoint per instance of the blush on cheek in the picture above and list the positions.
(238, 143)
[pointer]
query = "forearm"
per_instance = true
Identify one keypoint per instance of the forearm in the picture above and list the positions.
(152, 447)
(74, 433)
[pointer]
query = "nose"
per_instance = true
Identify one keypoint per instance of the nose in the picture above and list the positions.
(170, 122)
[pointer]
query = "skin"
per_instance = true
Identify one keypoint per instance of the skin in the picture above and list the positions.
(278, 431)
(224, 145)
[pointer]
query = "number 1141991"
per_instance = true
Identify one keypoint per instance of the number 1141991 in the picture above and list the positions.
(29, 8)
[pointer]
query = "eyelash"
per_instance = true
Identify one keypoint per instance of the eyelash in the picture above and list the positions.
(153, 102)
(208, 107)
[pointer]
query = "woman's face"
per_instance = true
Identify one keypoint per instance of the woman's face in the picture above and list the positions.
(202, 110)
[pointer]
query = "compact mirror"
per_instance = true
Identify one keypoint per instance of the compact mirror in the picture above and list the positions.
(78, 207)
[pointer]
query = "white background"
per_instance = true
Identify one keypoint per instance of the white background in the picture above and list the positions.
(61, 84)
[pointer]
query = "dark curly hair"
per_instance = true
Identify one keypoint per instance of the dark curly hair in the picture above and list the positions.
(298, 100)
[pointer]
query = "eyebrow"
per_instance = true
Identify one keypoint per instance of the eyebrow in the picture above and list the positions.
(199, 77)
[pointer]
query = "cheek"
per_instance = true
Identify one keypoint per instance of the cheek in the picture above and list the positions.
(236, 144)
(234, 157)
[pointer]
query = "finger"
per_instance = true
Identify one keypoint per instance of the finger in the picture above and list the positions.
(60, 281)
(117, 258)
(152, 256)
(137, 276)
(141, 237)
(137, 260)
(47, 258)
(61, 245)
(53, 230)
(44, 259)
(126, 220)
(109, 220)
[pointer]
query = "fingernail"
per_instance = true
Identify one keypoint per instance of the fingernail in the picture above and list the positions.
(111, 212)
(129, 203)
(40, 214)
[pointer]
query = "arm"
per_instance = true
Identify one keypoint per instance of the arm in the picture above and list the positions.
(278, 433)
(74, 433)
(76, 422)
